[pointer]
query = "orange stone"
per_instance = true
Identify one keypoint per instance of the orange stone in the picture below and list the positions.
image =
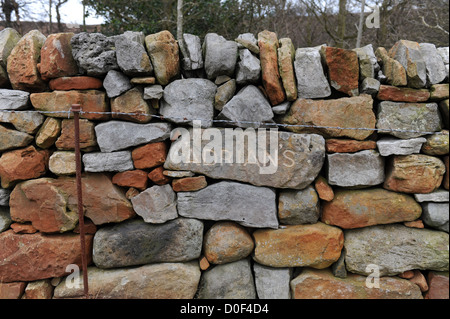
(317, 246)
(438, 285)
(56, 57)
(23, 228)
(398, 94)
(324, 190)
(415, 224)
(268, 46)
(13, 290)
(22, 164)
(348, 146)
(38, 256)
(189, 184)
(150, 155)
(75, 83)
(137, 179)
(157, 176)
(66, 140)
(419, 280)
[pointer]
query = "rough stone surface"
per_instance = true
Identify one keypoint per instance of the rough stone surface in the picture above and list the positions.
(108, 162)
(178, 240)
(419, 118)
(91, 101)
(117, 135)
(416, 174)
(438, 285)
(248, 69)
(150, 155)
(333, 113)
(132, 57)
(271, 79)
(409, 55)
(189, 184)
(439, 92)
(227, 242)
(157, 176)
(286, 56)
(249, 105)
(66, 140)
(75, 83)
(343, 69)
(363, 208)
(248, 40)
(158, 281)
(323, 189)
(22, 164)
(194, 58)
(24, 122)
(306, 151)
(153, 92)
(132, 102)
(392, 146)
(8, 40)
(436, 215)
(56, 57)
(38, 256)
(395, 249)
(398, 94)
(437, 196)
(5, 218)
(164, 54)
(4, 197)
(223, 201)
(11, 139)
(361, 169)
(434, 64)
(189, 99)
(370, 86)
(437, 144)
(393, 70)
(224, 93)
(229, 281)
(220, 56)
(272, 283)
(311, 80)
(322, 284)
(62, 163)
(348, 146)
(22, 63)
(116, 83)
(13, 99)
(48, 133)
(137, 179)
(94, 53)
(317, 246)
(156, 205)
(299, 207)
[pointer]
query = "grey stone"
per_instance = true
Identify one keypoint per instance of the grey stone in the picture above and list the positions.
(94, 53)
(249, 105)
(247, 205)
(224, 94)
(153, 92)
(27, 122)
(11, 139)
(108, 162)
(158, 281)
(367, 52)
(248, 69)
(4, 196)
(370, 86)
(361, 169)
(249, 41)
(311, 80)
(178, 174)
(419, 118)
(393, 146)
(116, 83)
(62, 163)
(13, 99)
(293, 161)
(444, 53)
(338, 268)
(132, 57)
(220, 56)
(156, 205)
(394, 249)
(135, 36)
(229, 281)
(194, 60)
(117, 135)
(5, 218)
(299, 207)
(410, 57)
(438, 196)
(188, 100)
(272, 283)
(8, 40)
(436, 215)
(436, 72)
(136, 242)
(282, 108)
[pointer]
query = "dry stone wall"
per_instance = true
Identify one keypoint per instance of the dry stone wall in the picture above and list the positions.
(245, 169)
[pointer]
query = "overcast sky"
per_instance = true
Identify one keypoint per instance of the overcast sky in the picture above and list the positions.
(71, 12)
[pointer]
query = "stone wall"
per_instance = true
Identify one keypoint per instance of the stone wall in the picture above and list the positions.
(338, 169)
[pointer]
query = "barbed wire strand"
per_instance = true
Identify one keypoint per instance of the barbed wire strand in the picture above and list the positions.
(258, 124)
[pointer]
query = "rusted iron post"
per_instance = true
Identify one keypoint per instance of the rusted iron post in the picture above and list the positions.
(76, 109)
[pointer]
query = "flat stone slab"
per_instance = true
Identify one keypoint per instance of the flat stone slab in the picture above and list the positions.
(108, 162)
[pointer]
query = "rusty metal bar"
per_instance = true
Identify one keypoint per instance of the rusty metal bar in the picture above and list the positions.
(76, 109)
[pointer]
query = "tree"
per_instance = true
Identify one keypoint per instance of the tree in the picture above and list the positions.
(8, 8)
(58, 5)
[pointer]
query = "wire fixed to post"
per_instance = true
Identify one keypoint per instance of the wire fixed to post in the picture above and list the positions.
(231, 122)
